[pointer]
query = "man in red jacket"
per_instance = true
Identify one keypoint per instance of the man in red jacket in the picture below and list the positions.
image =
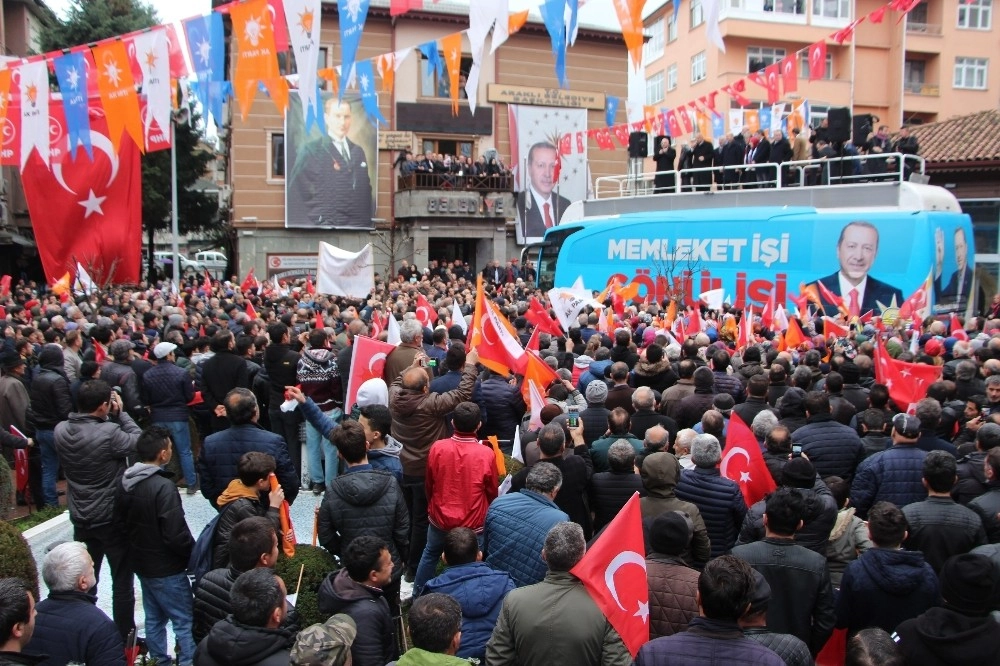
(461, 482)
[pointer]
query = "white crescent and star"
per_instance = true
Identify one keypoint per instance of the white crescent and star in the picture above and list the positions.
(620, 560)
(92, 204)
(380, 356)
(724, 466)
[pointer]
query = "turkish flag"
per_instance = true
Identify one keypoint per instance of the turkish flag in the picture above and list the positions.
(540, 319)
(735, 91)
(494, 337)
(377, 325)
(621, 133)
(745, 337)
(285, 519)
(794, 337)
(833, 327)
(399, 7)
(673, 124)
(92, 211)
(847, 32)
(789, 74)
(251, 312)
(566, 144)
(310, 287)
(367, 362)
(685, 119)
(767, 314)
(907, 382)
(878, 15)
(829, 296)
(206, 285)
(21, 472)
(319, 319)
(614, 572)
(5, 285)
(817, 60)
(917, 305)
(249, 282)
(743, 463)
(771, 74)
(426, 314)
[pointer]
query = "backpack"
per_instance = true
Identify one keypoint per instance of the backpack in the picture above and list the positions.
(200, 562)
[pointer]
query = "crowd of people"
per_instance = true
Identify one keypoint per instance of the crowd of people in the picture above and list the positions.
(753, 159)
(884, 523)
(444, 171)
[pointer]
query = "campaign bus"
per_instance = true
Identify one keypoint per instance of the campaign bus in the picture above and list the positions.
(872, 245)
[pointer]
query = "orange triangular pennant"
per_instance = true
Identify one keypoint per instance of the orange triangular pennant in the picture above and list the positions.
(256, 57)
(117, 88)
(452, 47)
(4, 93)
(516, 21)
(386, 65)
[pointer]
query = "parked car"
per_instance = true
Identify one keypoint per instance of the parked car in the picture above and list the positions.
(165, 261)
(215, 262)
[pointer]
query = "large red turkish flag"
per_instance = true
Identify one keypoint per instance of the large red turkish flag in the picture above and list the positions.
(907, 382)
(426, 314)
(614, 572)
(88, 213)
(743, 463)
(367, 362)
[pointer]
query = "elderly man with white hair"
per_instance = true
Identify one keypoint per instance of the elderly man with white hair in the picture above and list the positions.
(682, 447)
(719, 499)
(70, 628)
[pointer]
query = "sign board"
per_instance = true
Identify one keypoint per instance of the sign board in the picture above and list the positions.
(575, 99)
(395, 140)
(291, 266)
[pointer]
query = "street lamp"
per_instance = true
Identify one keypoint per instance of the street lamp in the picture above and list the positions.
(176, 118)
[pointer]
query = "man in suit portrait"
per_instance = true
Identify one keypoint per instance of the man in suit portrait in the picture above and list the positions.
(960, 285)
(939, 285)
(538, 207)
(857, 248)
(329, 185)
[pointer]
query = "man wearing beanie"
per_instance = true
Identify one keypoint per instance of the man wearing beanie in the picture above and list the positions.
(659, 474)
(754, 625)
(962, 631)
(886, 584)
(673, 584)
(690, 409)
(595, 416)
(820, 508)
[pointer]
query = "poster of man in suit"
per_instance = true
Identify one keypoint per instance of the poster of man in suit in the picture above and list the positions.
(952, 292)
(857, 249)
(330, 175)
(545, 181)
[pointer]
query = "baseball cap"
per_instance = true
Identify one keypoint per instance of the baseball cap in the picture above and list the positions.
(162, 349)
(906, 425)
(119, 349)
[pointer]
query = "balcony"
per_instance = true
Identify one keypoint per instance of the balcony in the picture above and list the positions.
(431, 195)
(771, 11)
(921, 88)
(926, 29)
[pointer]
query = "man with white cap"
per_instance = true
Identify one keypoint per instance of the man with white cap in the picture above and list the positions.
(167, 389)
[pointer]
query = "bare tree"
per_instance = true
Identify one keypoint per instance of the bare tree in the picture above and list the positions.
(393, 243)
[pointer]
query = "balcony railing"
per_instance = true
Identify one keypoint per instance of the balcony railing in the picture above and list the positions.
(448, 181)
(921, 88)
(930, 29)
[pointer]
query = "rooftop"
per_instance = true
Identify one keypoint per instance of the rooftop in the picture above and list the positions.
(961, 140)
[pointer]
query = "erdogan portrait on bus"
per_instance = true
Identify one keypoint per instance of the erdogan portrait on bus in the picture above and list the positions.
(538, 207)
(857, 248)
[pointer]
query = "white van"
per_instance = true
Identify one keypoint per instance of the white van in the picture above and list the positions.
(213, 261)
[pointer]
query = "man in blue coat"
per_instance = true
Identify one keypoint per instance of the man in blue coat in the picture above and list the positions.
(221, 452)
(478, 588)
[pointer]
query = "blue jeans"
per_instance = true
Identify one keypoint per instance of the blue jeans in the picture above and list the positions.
(180, 435)
(427, 568)
(320, 450)
(163, 599)
(46, 440)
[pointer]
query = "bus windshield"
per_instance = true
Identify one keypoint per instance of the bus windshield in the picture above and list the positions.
(548, 254)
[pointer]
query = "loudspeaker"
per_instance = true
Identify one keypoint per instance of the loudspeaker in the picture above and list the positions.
(862, 128)
(638, 145)
(839, 124)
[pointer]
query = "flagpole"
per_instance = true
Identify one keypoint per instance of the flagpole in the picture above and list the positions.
(174, 226)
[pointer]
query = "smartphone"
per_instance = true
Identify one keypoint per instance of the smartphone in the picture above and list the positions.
(796, 451)
(573, 417)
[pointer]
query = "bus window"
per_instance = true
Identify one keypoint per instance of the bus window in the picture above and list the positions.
(548, 254)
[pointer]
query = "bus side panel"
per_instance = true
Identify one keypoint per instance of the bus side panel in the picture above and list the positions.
(749, 260)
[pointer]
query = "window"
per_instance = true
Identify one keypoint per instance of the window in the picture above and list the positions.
(914, 75)
(432, 85)
(456, 147)
(654, 88)
(653, 49)
(759, 57)
(697, 13)
(835, 9)
(672, 77)
(287, 65)
(827, 73)
(672, 29)
(975, 14)
(276, 156)
(970, 73)
(698, 68)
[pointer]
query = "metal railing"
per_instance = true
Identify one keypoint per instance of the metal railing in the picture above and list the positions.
(931, 29)
(846, 170)
(454, 181)
(921, 88)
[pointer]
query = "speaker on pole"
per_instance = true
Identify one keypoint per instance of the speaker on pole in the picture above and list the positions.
(638, 145)
(839, 124)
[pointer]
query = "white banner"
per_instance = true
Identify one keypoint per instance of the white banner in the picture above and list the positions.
(154, 62)
(343, 273)
(303, 17)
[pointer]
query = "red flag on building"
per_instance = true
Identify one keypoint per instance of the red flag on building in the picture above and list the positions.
(92, 210)
(614, 572)
(673, 124)
(399, 7)
(790, 74)
(771, 75)
(685, 119)
(743, 463)
(847, 32)
(817, 60)
(426, 314)
(878, 15)
(736, 91)
(367, 362)
(621, 133)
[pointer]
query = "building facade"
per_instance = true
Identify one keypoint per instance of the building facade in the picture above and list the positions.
(940, 61)
(420, 219)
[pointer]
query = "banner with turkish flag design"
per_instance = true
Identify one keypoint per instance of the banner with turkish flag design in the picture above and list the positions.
(614, 572)
(743, 462)
(92, 211)
(367, 362)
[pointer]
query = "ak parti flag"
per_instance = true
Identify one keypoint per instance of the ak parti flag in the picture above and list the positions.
(537, 372)
(367, 362)
(285, 518)
(614, 572)
(743, 462)
(256, 57)
(118, 96)
(794, 336)
(92, 210)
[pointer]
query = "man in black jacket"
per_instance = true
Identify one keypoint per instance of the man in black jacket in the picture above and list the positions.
(50, 403)
(219, 375)
(160, 545)
(833, 448)
(167, 390)
(248, 495)
(117, 371)
(281, 365)
(356, 590)
(802, 597)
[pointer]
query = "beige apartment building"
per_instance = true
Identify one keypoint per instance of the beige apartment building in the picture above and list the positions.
(420, 220)
(942, 60)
